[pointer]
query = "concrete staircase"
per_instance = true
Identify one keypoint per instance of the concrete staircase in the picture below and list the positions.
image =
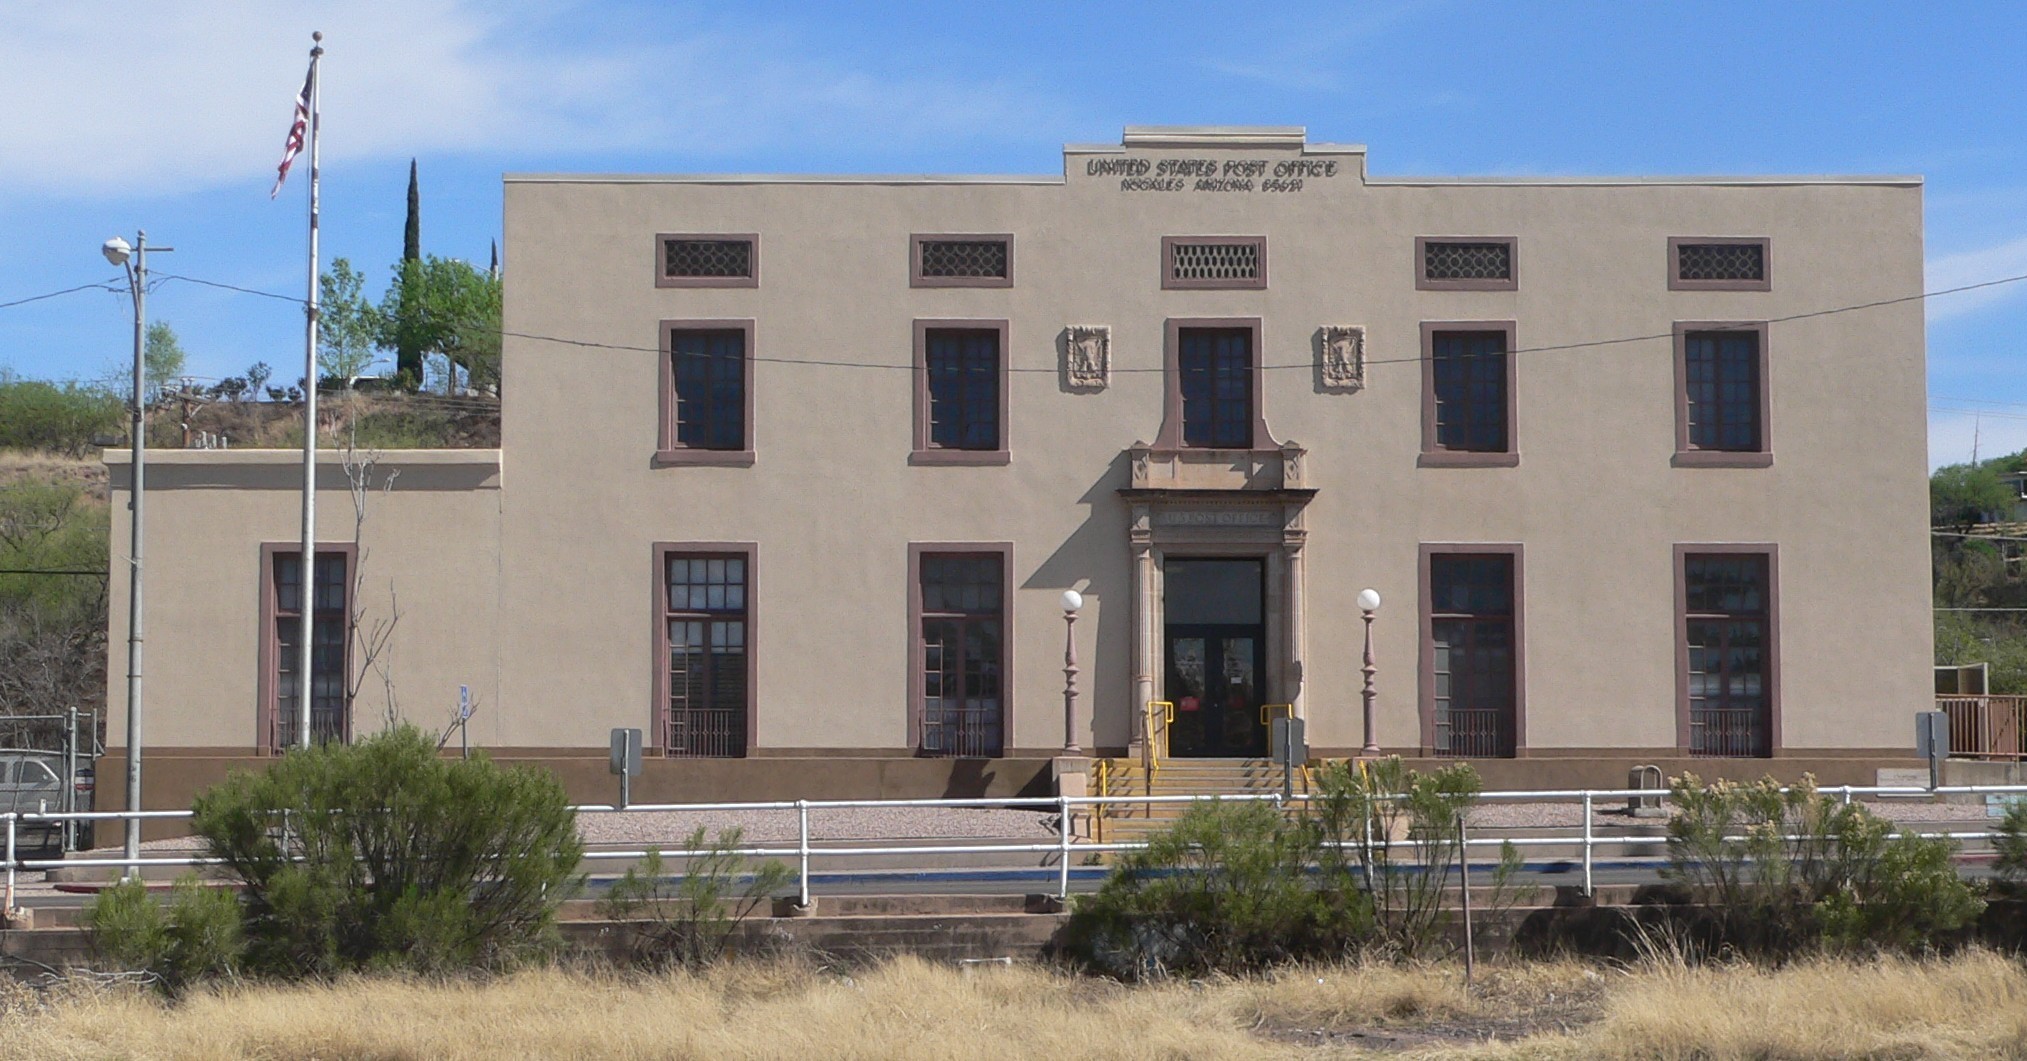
(1132, 822)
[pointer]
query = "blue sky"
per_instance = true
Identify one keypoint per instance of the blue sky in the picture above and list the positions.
(170, 116)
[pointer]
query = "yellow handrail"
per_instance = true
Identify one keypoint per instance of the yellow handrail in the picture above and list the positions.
(1155, 749)
(1104, 789)
(1266, 712)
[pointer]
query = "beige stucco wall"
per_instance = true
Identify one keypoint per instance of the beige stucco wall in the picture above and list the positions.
(833, 503)
(428, 548)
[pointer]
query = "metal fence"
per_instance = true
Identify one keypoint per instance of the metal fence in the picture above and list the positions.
(1066, 844)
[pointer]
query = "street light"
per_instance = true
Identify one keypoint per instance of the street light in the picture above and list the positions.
(118, 251)
(1072, 600)
(1368, 603)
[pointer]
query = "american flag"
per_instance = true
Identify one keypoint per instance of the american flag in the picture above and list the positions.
(299, 129)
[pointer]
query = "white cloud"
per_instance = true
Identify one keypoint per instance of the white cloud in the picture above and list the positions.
(1951, 435)
(172, 96)
(1974, 267)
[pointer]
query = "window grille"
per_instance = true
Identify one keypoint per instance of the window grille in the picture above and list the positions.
(1215, 262)
(707, 258)
(965, 259)
(1721, 261)
(1467, 261)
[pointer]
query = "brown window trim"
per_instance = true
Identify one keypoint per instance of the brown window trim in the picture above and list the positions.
(1423, 282)
(1170, 283)
(1426, 680)
(1764, 283)
(916, 550)
(916, 279)
(667, 452)
(658, 712)
(1685, 455)
(269, 651)
(1433, 456)
(1170, 436)
(923, 452)
(1773, 675)
(663, 279)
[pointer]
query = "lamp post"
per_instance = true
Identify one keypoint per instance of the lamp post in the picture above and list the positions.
(134, 257)
(1072, 600)
(1368, 603)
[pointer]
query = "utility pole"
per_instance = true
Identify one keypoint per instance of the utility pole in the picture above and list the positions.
(135, 259)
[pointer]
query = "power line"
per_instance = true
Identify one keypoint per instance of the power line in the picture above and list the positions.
(1305, 365)
(104, 286)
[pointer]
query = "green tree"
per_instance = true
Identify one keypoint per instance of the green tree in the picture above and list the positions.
(349, 324)
(1961, 494)
(445, 307)
(161, 359)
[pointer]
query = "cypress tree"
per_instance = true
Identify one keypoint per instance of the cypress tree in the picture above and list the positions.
(407, 355)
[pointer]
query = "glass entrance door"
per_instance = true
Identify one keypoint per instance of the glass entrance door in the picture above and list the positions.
(1214, 682)
(1216, 656)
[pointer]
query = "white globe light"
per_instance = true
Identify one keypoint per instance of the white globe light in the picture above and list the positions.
(116, 250)
(1072, 600)
(1368, 600)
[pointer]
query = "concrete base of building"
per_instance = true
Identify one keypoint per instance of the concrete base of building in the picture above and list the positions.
(172, 778)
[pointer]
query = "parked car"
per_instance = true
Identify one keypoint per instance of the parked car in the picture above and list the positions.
(32, 780)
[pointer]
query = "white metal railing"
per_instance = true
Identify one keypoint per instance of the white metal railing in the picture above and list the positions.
(805, 851)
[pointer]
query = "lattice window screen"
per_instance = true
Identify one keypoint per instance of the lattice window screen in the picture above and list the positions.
(1721, 261)
(708, 258)
(1467, 261)
(1215, 261)
(971, 259)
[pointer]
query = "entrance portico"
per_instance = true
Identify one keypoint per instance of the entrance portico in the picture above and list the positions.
(1201, 522)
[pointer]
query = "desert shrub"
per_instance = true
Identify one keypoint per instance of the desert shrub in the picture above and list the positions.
(1780, 872)
(1412, 887)
(197, 935)
(380, 854)
(690, 919)
(1225, 889)
(59, 418)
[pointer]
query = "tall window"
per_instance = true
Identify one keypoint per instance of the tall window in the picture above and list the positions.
(1469, 402)
(329, 718)
(1727, 631)
(709, 668)
(962, 369)
(962, 654)
(1721, 399)
(1473, 658)
(707, 399)
(1215, 370)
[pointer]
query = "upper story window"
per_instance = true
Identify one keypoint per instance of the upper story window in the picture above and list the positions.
(1210, 262)
(707, 393)
(707, 260)
(960, 260)
(960, 392)
(1721, 407)
(1466, 264)
(1216, 370)
(1719, 263)
(1468, 394)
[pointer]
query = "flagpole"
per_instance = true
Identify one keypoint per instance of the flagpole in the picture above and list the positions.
(306, 596)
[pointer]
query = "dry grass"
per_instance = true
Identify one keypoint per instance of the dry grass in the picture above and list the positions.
(1974, 1006)
(24, 466)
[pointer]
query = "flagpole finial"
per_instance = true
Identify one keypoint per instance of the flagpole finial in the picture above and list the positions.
(317, 36)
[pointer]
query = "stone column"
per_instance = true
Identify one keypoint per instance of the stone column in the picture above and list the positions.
(1146, 621)
(1295, 617)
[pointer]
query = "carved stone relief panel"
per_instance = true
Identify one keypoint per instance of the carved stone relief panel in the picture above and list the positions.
(1087, 356)
(1343, 357)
